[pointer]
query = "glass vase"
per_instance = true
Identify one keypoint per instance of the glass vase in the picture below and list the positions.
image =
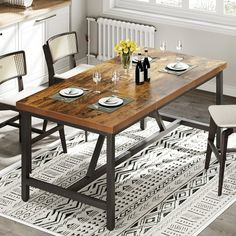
(126, 62)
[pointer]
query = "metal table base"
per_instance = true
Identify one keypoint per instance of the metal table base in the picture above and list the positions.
(112, 161)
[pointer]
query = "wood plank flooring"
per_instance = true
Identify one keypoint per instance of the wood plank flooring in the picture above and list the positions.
(193, 105)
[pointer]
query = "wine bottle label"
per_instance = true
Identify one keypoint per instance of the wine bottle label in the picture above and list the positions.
(141, 78)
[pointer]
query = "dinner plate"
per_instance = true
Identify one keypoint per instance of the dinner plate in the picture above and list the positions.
(110, 101)
(135, 59)
(71, 92)
(177, 66)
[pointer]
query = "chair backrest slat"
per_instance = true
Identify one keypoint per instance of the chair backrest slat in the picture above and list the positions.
(63, 45)
(12, 66)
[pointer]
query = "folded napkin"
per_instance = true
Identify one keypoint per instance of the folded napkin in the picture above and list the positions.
(166, 70)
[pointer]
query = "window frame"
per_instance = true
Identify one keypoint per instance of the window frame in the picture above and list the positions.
(217, 17)
(110, 9)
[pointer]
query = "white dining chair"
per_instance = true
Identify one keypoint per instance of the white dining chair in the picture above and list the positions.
(13, 66)
(221, 117)
(59, 47)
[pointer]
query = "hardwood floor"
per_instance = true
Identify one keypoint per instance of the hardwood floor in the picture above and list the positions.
(192, 105)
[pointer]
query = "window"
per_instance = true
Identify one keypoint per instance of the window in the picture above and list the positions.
(221, 12)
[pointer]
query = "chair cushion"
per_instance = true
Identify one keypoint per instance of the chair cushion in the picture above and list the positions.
(70, 73)
(11, 98)
(223, 115)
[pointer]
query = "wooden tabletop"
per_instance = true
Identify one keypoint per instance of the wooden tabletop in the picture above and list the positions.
(162, 89)
(12, 14)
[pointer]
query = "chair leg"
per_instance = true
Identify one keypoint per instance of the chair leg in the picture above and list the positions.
(224, 137)
(86, 136)
(211, 138)
(63, 139)
(45, 123)
(20, 129)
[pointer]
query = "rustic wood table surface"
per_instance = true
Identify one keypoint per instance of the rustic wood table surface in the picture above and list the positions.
(146, 100)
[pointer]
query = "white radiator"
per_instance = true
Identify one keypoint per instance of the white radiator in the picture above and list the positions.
(110, 32)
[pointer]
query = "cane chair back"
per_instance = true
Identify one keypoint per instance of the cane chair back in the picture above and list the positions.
(13, 65)
(63, 45)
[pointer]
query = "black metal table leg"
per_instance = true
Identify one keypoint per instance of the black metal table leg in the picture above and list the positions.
(96, 154)
(63, 139)
(110, 181)
(143, 124)
(219, 101)
(26, 154)
(159, 120)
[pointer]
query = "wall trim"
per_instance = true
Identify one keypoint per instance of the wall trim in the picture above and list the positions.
(109, 9)
(210, 87)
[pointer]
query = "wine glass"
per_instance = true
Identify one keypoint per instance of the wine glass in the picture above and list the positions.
(97, 78)
(179, 48)
(163, 47)
(115, 78)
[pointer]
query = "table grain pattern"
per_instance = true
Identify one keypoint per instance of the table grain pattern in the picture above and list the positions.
(162, 89)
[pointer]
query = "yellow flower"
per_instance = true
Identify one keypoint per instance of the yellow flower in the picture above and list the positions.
(125, 47)
(126, 50)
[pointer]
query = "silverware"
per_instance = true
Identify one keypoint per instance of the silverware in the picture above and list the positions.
(85, 89)
(168, 71)
(71, 91)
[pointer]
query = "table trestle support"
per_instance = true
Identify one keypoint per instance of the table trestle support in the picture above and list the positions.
(66, 193)
(125, 156)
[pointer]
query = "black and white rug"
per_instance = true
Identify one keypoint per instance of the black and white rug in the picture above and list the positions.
(162, 190)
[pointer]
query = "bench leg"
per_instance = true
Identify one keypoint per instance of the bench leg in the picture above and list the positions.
(211, 138)
(225, 135)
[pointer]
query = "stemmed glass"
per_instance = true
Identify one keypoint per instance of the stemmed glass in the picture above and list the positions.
(115, 78)
(163, 47)
(97, 78)
(179, 48)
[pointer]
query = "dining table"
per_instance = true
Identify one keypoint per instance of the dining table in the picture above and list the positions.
(84, 112)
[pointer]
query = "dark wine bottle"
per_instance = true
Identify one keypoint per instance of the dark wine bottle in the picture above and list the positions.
(146, 66)
(139, 76)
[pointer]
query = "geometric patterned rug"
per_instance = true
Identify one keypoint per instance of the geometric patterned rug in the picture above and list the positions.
(163, 190)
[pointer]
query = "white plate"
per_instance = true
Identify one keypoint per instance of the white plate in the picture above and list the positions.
(71, 92)
(110, 101)
(177, 66)
(135, 59)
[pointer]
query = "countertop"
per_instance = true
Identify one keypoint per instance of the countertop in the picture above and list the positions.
(11, 14)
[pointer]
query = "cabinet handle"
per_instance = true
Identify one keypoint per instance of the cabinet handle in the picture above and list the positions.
(0, 34)
(37, 21)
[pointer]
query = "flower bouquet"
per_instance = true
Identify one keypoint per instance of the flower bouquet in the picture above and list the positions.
(125, 49)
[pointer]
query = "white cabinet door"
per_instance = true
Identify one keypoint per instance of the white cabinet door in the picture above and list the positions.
(31, 40)
(58, 23)
(8, 39)
(8, 43)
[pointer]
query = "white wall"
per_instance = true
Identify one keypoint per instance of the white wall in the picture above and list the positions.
(195, 42)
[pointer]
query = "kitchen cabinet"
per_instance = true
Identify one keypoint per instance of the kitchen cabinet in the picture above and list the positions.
(58, 23)
(8, 39)
(8, 43)
(30, 35)
(31, 39)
